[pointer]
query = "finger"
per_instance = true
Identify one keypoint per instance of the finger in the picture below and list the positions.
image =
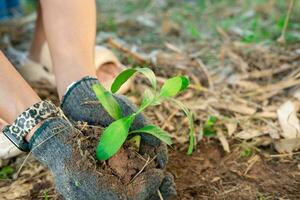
(167, 189)
(145, 185)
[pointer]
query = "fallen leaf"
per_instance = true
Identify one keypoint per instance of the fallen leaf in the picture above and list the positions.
(231, 127)
(223, 141)
(237, 108)
(287, 115)
(297, 94)
(287, 145)
(249, 134)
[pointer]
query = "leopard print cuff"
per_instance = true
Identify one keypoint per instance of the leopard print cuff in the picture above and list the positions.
(31, 117)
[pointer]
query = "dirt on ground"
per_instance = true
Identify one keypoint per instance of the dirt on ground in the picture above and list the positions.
(212, 174)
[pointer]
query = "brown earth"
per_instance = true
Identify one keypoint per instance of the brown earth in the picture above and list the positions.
(212, 174)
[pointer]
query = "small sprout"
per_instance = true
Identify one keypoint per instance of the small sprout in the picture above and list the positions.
(136, 141)
(46, 197)
(117, 132)
(209, 129)
(246, 152)
(6, 171)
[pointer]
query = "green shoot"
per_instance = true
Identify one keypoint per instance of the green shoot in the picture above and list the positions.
(116, 133)
(192, 141)
(246, 150)
(209, 129)
(46, 196)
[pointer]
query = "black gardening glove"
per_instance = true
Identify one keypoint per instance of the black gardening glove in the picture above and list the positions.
(81, 104)
(54, 144)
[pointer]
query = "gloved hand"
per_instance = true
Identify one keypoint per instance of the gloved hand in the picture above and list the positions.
(80, 104)
(75, 176)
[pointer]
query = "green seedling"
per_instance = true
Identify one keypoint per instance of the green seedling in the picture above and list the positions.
(209, 129)
(116, 133)
(46, 196)
(246, 151)
(6, 171)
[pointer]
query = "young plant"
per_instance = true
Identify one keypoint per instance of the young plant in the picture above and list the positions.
(209, 129)
(116, 133)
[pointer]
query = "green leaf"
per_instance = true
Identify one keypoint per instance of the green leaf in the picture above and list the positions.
(107, 101)
(192, 141)
(6, 171)
(156, 132)
(185, 82)
(121, 79)
(113, 137)
(149, 75)
(126, 74)
(173, 86)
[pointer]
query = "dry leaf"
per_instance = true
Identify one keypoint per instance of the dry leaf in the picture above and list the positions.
(287, 145)
(297, 94)
(237, 108)
(231, 127)
(287, 115)
(249, 134)
(223, 141)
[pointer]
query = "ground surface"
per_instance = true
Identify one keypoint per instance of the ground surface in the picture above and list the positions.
(238, 72)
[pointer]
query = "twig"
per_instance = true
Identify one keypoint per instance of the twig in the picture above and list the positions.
(284, 154)
(169, 118)
(206, 73)
(160, 195)
(281, 39)
(137, 58)
(253, 161)
(147, 163)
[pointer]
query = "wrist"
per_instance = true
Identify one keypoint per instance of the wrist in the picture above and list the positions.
(31, 133)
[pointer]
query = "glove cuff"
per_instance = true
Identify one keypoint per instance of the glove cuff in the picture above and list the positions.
(79, 87)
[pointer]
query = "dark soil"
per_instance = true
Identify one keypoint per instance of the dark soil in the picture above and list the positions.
(125, 165)
(212, 174)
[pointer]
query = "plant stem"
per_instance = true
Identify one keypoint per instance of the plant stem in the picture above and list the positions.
(281, 39)
(141, 109)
